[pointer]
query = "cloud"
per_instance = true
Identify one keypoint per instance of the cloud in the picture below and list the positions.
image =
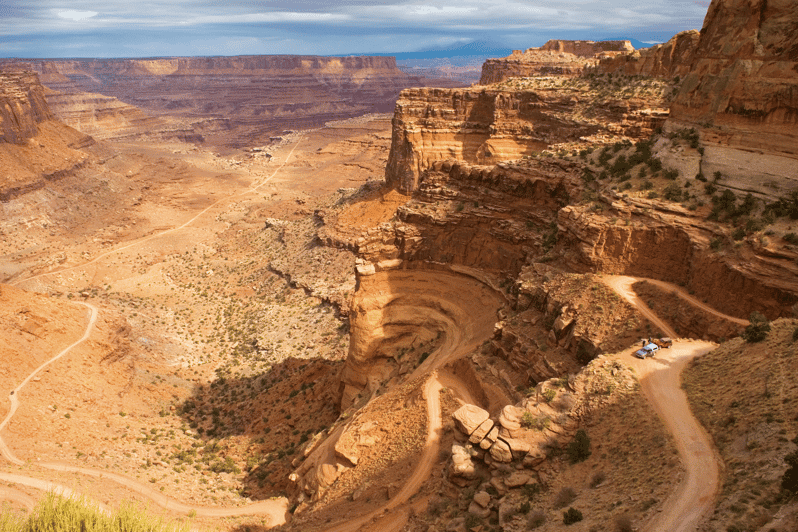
(333, 27)
(77, 15)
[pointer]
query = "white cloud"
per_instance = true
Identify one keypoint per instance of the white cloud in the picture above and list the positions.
(77, 15)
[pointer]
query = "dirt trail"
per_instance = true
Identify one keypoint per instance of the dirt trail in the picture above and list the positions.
(692, 300)
(101, 256)
(623, 286)
(14, 395)
(660, 377)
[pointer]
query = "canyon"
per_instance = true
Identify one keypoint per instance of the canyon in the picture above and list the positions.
(264, 308)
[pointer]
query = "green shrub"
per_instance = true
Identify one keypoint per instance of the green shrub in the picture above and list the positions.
(670, 173)
(646, 185)
(579, 448)
(758, 328)
(738, 233)
(571, 516)
(673, 192)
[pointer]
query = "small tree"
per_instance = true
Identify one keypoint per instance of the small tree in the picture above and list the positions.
(579, 448)
(758, 328)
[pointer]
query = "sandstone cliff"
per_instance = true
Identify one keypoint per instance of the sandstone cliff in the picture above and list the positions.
(22, 106)
(34, 148)
(560, 58)
(668, 60)
(741, 91)
(510, 121)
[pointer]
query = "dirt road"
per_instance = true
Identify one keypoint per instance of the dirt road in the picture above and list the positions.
(660, 378)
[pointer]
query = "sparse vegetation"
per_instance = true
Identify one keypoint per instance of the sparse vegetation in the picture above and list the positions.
(758, 328)
(571, 516)
(579, 448)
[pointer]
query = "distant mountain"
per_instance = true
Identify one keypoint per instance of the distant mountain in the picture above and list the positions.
(474, 48)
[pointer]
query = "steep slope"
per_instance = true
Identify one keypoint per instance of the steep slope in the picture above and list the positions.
(740, 93)
(667, 60)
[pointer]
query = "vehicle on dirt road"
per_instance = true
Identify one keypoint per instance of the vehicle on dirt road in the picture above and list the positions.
(647, 350)
(663, 343)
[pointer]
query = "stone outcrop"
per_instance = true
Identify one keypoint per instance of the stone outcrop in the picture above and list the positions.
(547, 419)
(233, 100)
(22, 106)
(485, 126)
(555, 58)
(741, 91)
(667, 60)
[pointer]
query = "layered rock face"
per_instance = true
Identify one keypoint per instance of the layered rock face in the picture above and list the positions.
(741, 91)
(488, 125)
(22, 106)
(237, 99)
(34, 148)
(668, 60)
(560, 58)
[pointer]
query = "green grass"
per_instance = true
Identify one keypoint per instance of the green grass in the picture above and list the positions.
(59, 514)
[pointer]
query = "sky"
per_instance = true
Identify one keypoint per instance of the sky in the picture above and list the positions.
(131, 28)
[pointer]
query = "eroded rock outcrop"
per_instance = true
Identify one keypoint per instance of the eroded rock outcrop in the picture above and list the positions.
(489, 125)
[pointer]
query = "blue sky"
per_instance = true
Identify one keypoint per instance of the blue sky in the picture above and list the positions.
(112, 28)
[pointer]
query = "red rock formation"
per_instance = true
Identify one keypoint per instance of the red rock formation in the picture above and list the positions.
(741, 93)
(667, 60)
(485, 126)
(22, 106)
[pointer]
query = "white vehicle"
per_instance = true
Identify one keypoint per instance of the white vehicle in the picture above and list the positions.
(647, 350)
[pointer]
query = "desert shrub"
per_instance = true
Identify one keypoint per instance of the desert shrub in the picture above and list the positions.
(59, 514)
(670, 173)
(579, 448)
(700, 176)
(758, 328)
(715, 244)
(673, 192)
(795, 335)
(789, 481)
(536, 520)
(738, 233)
(792, 238)
(646, 185)
(623, 523)
(565, 497)
(549, 395)
(571, 516)
(472, 520)
(620, 166)
(598, 478)
(652, 195)
(655, 164)
(710, 188)
(604, 157)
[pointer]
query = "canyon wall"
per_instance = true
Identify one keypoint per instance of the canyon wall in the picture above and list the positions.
(227, 100)
(486, 125)
(742, 91)
(34, 148)
(22, 106)
(668, 60)
(555, 58)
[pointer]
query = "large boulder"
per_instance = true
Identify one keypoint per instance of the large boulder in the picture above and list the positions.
(468, 418)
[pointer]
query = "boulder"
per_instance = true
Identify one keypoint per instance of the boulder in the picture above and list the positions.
(468, 418)
(510, 418)
(478, 510)
(500, 451)
(462, 465)
(481, 431)
(482, 498)
(517, 479)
